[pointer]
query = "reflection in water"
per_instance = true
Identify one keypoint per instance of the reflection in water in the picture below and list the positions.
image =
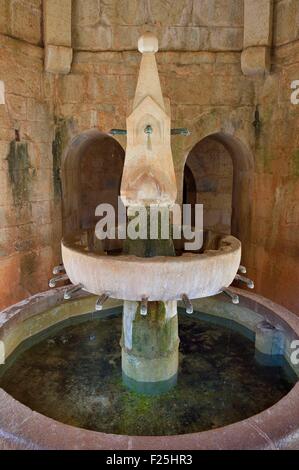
(74, 376)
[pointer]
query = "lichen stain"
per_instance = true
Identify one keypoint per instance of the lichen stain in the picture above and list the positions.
(295, 163)
(29, 264)
(58, 146)
(28, 269)
(21, 172)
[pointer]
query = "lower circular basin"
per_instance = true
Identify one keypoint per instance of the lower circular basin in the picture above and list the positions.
(23, 428)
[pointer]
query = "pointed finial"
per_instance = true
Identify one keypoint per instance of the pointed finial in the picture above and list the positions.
(148, 43)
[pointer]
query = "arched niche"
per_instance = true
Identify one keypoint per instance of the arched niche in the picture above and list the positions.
(222, 169)
(91, 175)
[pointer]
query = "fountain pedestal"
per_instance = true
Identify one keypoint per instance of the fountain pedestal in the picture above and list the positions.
(150, 347)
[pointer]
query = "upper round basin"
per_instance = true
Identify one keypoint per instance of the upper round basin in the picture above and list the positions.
(159, 278)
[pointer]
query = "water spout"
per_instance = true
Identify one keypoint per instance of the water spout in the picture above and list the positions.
(181, 131)
(58, 269)
(143, 306)
(246, 280)
(71, 291)
(242, 269)
(100, 302)
(54, 280)
(234, 297)
(187, 304)
(117, 132)
(148, 131)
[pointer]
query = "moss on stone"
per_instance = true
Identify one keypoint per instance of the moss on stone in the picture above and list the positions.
(295, 163)
(20, 171)
(267, 159)
(58, 146)
(154, 335)
(29, 264)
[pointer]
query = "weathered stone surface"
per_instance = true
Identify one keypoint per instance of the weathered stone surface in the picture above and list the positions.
(58, 59)
(4, 17)
(256, 61)
(17, 106)
(184, 25)
(151, 12)
(57, 22)
(225, 39)
(286, 19)
(93, 38)
(218, 13)
(25, 20)
(258, 22)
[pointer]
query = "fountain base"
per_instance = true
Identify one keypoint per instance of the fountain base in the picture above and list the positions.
(150, 346)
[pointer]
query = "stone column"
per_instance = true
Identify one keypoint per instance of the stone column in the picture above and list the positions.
(58, 36)
(258, 26)
(150, 342)
(150, 347)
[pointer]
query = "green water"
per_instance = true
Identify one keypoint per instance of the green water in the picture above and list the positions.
(73, 374)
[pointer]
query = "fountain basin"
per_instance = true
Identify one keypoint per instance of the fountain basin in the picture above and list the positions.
(22, 428)
(160, 278)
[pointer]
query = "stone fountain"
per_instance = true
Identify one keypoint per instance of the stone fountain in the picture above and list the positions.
(149, 280)
(148, 277)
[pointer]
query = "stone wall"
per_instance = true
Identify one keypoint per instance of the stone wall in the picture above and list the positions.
(29, 213)
(200, 70)
(22, 19)
(273, 253)
(179, 25)
(286, 21)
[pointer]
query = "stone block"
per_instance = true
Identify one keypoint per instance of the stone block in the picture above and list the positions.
(89, 12)
(96, 38)
(256, 61)
(17, 107)
(4, 16)
(187, 91)
(170, 13)
(286, 22)
(217, 13)
(225, 39)
(58, 59)
(2, 92)
(69, 86)
(186, 39)
(57, 22)
(25, 18)
(258, 21)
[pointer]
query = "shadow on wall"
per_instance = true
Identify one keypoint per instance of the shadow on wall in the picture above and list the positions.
(218, 174)
(91, 175)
